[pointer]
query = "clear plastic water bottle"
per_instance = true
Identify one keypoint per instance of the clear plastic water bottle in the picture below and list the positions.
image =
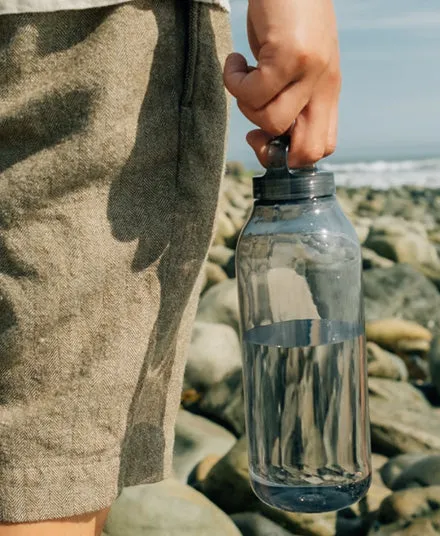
(299, 273)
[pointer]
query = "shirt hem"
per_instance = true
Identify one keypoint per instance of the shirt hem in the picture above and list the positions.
(29, 6)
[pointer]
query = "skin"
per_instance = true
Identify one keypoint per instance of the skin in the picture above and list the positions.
(293, 88)
(86, 525)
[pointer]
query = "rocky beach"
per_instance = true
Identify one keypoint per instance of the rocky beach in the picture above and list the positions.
(210, 492)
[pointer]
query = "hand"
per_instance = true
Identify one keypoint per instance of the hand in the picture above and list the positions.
(295, 86)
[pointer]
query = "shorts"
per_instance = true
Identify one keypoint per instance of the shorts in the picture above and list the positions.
(112, 139)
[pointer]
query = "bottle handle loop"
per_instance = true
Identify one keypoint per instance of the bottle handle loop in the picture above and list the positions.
(277, 154)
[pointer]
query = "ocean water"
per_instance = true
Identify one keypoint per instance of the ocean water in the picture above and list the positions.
(307, 414)
(383, 174)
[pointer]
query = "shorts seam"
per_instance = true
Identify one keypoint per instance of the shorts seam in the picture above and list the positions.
(192, 27)
(51, 464)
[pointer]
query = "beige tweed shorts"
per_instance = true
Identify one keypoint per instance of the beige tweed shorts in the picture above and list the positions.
(112, 134)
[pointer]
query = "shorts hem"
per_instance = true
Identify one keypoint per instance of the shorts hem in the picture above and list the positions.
(41, 493)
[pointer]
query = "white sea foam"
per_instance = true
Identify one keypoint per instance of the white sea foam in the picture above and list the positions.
(387, 174)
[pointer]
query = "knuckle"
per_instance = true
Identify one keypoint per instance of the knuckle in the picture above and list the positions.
(335, 78)
(288, 58)
(330, 148)
(276, 126)
(320, 61)
(301, 57)
(310, 155)
(310, 59)
(316, 154)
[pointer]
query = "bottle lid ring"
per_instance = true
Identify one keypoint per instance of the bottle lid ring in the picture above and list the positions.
(280, 183)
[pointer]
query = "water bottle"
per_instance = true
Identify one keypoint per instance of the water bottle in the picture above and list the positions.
(299, 272)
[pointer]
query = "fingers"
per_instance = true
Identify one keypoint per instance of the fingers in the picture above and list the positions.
(315, 132)
(255, 88)
(277, 117)
(276, 71)
(310, 135)
(334, 81)
(295, 44)
(332, 137)
(313, 136)
(259, 140)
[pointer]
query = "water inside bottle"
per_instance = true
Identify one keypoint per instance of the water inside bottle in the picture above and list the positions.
(307, 414)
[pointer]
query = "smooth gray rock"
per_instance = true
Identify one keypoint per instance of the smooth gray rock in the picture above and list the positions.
(402, 421)
(413, 512)
(224, 403)
(220, 254)
(420, 526)
(399, 335)
(402, 241)
(402, 292)
(224, 257)
(225, 230)
(362, 227)
(214, 274)
(400, 394)
(253, 524)
(220, 305)
(409, 503)
(168, 508)
(411, 203)
(231, 473)
(377, 492)
(214, 353)
(408, 339)
(383, 364)
(370, 259)
(197, 438)
(423, 473)
(395, 466)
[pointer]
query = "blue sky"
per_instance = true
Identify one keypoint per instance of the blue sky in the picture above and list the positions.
(390, 102)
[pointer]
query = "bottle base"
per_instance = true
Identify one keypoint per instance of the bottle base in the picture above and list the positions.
(311, 499)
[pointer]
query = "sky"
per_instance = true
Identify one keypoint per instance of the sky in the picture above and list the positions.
(390, 100)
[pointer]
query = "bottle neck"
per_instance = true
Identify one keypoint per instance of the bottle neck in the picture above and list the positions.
(324, 200)
(294, 209)
(283, 185)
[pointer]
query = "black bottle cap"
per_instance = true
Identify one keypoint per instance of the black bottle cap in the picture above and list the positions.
(280, 183)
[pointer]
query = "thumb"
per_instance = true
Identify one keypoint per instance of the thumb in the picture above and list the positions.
(259, 140)
(235, 71)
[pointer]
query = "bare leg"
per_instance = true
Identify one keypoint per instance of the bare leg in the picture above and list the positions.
(86, 525)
